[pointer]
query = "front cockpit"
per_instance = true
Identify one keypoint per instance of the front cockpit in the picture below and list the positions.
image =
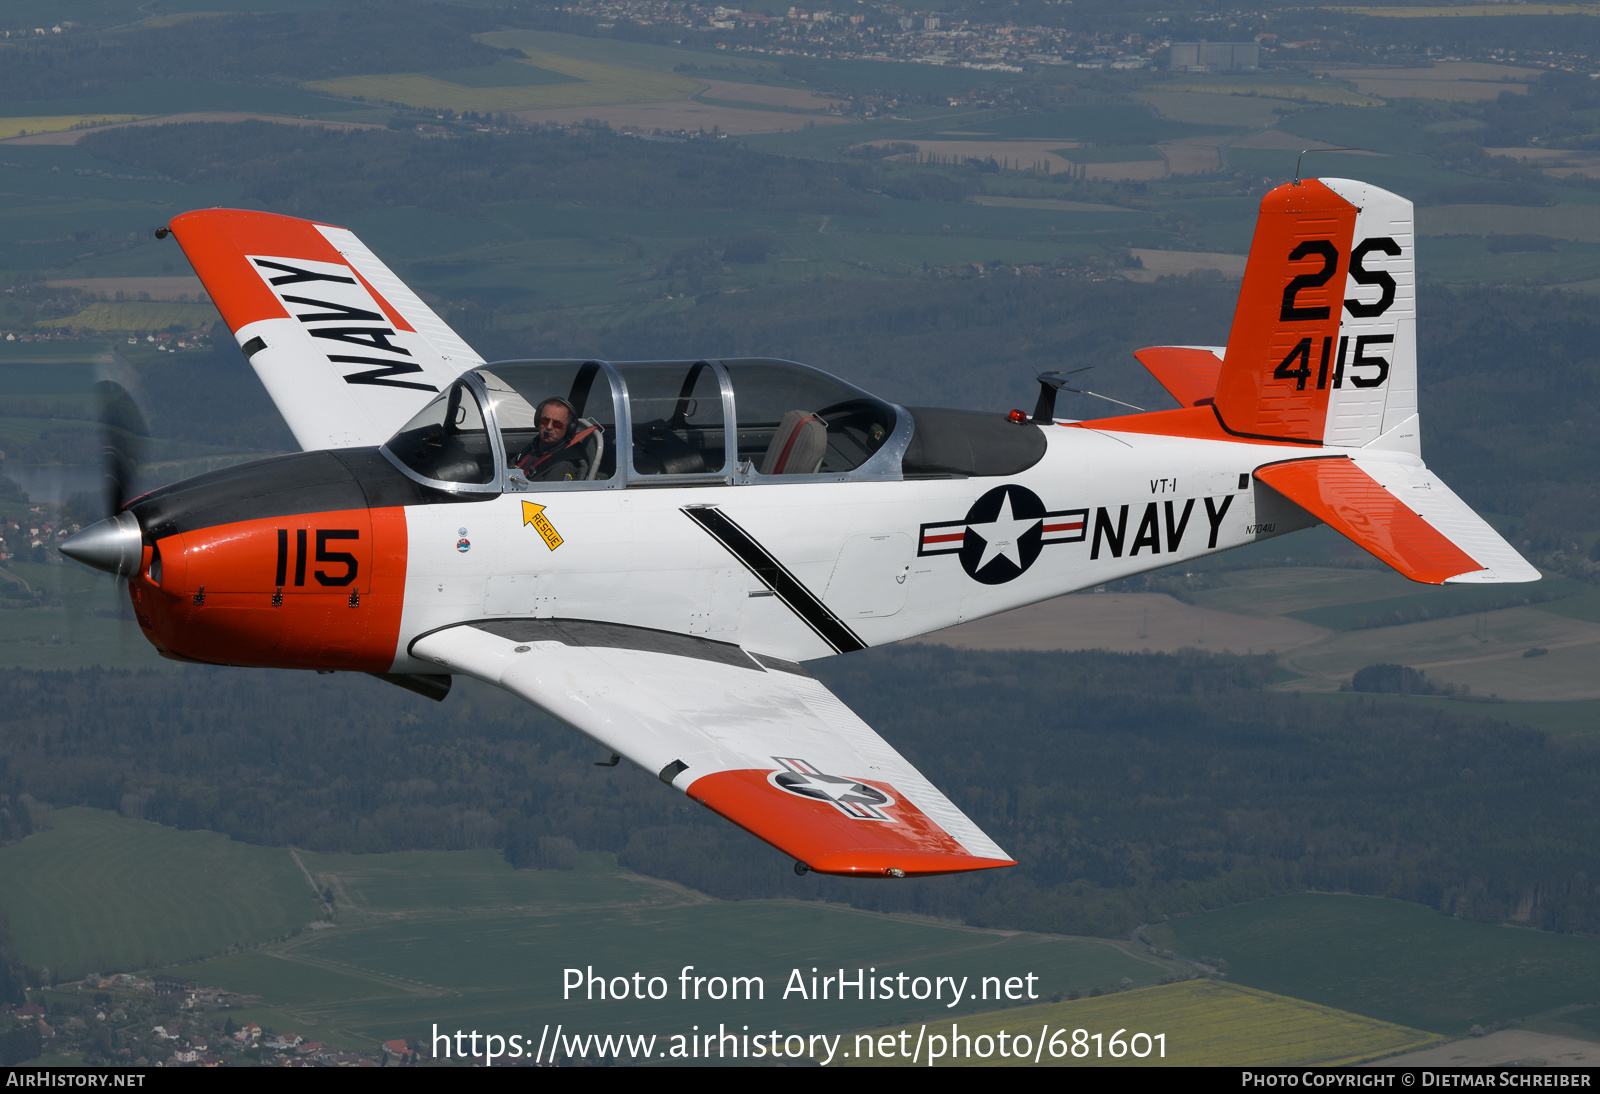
(598, 425)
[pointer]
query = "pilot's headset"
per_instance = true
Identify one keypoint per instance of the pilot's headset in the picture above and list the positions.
(572, 413)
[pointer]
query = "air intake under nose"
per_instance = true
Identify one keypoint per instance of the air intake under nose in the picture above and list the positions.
(115, 545)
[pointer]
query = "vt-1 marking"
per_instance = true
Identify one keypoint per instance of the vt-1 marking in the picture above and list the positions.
(649, 550)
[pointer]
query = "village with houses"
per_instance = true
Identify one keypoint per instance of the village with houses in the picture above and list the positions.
(165, 1021)
(891, 32)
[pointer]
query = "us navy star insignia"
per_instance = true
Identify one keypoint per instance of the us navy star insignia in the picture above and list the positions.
(1003, 534)
(852, 797)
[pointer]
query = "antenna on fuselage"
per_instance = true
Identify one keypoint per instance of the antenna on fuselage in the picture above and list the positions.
(1053, 382)
(1304, 152)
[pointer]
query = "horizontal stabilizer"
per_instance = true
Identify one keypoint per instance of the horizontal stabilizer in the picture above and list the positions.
(1403, 515)
(1189, 373)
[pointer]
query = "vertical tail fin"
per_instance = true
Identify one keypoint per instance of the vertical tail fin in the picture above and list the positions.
(1323, 346)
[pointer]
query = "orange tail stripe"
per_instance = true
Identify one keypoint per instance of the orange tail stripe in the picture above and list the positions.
(1302, 238)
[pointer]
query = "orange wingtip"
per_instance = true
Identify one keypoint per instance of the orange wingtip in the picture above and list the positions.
(216, 242)
(1189, 375)
(1346, 498)
(892, 838)
(901, 864)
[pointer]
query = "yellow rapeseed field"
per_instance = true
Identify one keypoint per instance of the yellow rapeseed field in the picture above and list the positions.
(1206, 1023)
(135, 316)
(16, 127)
(598, 84)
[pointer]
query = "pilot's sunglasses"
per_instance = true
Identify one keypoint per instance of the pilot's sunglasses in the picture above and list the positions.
(550, 421)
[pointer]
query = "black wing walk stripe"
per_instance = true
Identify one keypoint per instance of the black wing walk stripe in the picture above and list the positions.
(759, 561)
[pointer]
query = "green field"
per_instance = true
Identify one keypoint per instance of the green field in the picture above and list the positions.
(1436, 603)
(1109, 153)
(1579, 222)
(1568, 264)
(86, 619)
(1584, 605)
(1274, 88)
(160, 95)
(555, 81)
(1484, 653)
(1242, 111)
(1098, 123)
(67, 375)
(1575, 717)
(460, 937)
(1283, 590)
(139, 316)
(1389, 960)
(1385, 130)
(99, 893)
(503, 74)
(617, 51)
(1207, 1023)
(1471, 637)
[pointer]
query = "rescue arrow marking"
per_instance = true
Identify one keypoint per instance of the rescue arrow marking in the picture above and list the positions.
(533, 513)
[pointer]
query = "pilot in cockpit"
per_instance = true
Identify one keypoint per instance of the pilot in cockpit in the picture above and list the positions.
(558, 452)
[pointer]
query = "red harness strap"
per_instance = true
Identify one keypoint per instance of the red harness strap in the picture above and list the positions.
(524, 465)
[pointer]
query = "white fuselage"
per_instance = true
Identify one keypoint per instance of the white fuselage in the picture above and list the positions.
(1118, 505)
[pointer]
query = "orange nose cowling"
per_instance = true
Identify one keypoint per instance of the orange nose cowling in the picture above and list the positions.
(310, 591)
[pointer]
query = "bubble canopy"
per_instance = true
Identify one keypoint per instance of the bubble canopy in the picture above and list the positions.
(598, 425)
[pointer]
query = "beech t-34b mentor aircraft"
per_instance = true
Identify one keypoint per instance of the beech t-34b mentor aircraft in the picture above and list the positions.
(648, 550)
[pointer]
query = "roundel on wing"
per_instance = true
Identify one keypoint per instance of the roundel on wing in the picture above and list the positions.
(1005, 533)
(850, 796)
(829, 788)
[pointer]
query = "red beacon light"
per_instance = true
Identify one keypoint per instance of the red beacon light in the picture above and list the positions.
(1018, 416)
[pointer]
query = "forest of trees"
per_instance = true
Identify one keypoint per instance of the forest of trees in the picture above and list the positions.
(1128, 787)
(316, 172)
(371, 36)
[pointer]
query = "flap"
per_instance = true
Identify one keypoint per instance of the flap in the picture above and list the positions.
(346, 351)
(1189, 373)
(1403, 515)
(757, 740)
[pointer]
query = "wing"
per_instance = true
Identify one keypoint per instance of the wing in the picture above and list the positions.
(1402, 514)
(756, 740)
(346, 351)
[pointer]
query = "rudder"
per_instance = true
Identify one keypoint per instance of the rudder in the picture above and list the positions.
(1323, 344)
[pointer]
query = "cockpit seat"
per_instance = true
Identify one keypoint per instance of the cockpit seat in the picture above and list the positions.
(798, 446)
(592, 446)
(659, 449)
